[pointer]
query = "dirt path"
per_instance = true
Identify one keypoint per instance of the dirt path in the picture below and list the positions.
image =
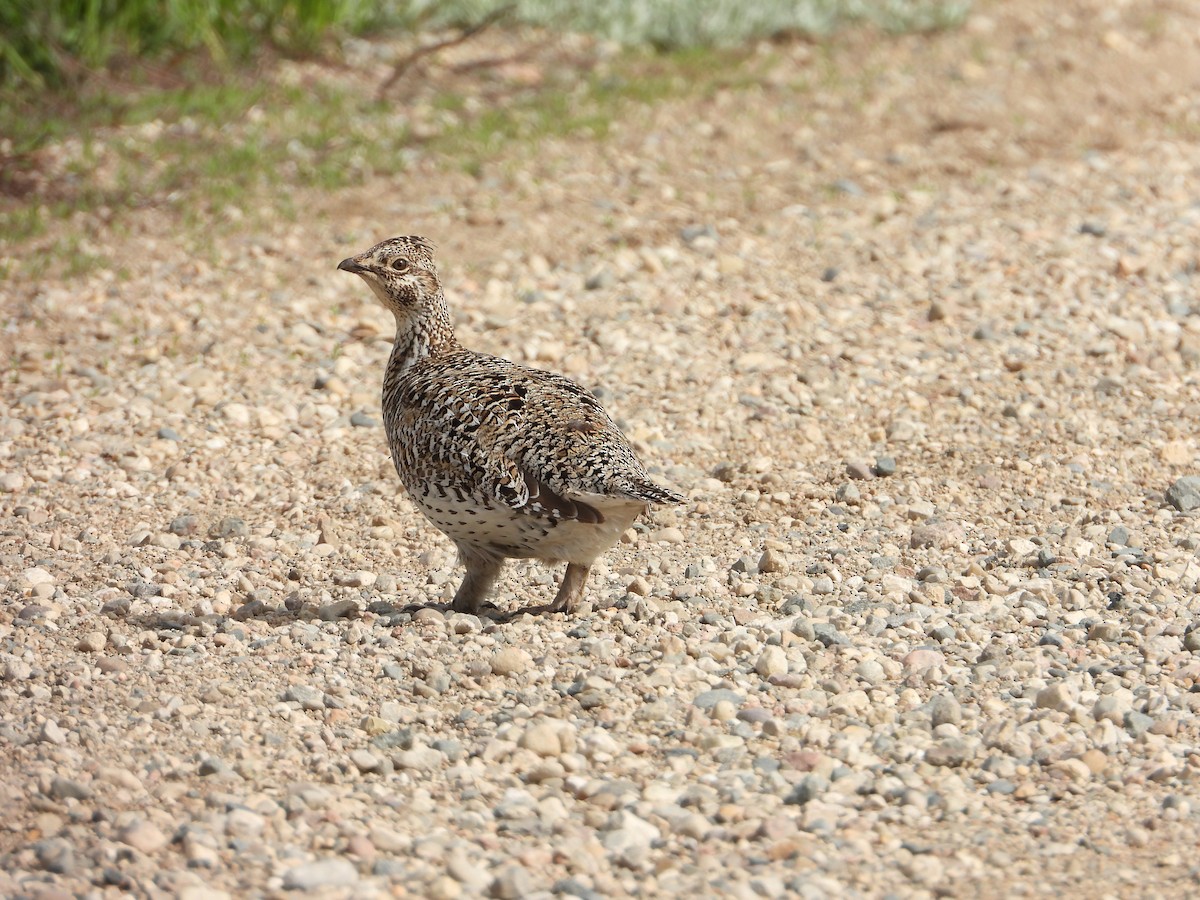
(914, 322)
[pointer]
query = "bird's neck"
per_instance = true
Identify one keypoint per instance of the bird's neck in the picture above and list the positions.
(427, 334)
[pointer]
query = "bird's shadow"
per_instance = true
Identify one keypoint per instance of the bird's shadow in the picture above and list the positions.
(386, 613)
(488, 612)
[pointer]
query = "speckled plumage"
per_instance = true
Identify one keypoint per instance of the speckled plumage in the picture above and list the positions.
(506, 460)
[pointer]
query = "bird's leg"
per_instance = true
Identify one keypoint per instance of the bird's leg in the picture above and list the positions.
(482, 572)
(570, 592)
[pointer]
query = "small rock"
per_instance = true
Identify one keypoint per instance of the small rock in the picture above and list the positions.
(50, 733)
(807, 789)
(339, 609)
(629, 842)
(365, 760)
(37, 575)
(1095, 760)
(940, 535)
(230, 526)
(923, 658)
(772, 561)
(356, 579)
(512, 883)
(885, 466)
(65, 788)
(143, 836)
(639, 586)
(55, 855)
(945, 711)
(669, 535)
(244, 823)
(772, 661)
(1058, 696)
(859, 470)
(14, 668)
(362, 420)
(708, 699)
(92, 642)
(543, 738)
(1184, 494)
(511, 661)
(1104, 631)
(444, 888)
(308, 697)
(1138, 723)
(320, 874)
(184, 525)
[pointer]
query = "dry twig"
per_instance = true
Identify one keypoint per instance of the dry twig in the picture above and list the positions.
(463, 36)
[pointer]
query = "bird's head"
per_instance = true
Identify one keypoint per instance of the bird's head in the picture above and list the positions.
(400, 271)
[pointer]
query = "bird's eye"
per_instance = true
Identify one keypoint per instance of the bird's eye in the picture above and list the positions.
(400, 265)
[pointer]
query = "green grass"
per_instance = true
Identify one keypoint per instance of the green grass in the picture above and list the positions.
(214, 142)
(215, 152)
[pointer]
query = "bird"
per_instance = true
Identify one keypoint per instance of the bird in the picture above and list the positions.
(508, 461)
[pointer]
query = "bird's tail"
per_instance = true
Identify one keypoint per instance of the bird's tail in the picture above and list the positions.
(646, 490)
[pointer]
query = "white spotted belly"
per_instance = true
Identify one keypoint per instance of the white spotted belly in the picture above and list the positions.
(504, 531)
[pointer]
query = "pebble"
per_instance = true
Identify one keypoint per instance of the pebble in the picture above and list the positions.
(225, 636)
(92, 642)
(511, 661)
(364, 760)
(512, 883)
(50, 733)
(56, 855)
(772, 562)
(143, 836)
(339, 609)
(1184, 494)
(65, 788)
(325, 873)
(1058, 696)
(885, 466)
(772, 661)
(860, 469)
(945, 710)
(708, 699)
(356, 579)
(548, 738)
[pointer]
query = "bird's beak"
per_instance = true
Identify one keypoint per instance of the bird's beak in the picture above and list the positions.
(352, 265)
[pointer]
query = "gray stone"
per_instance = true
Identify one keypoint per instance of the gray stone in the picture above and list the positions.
(859, 470)
(708, 699)
(1184, 494)
(230, 526)
(339, 609)
(308, 697)
(1137, 723)
(55, 855)
(807, 790)
(1058, 696)
(65, 788)
(511, 883)
(51, 733)
(827, 634)
(323, 873)
(945, 709)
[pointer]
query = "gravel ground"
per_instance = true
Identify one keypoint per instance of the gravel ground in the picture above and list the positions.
(921, 344)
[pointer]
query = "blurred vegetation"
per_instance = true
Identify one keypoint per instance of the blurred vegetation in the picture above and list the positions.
(49, 42)
(110, 105)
